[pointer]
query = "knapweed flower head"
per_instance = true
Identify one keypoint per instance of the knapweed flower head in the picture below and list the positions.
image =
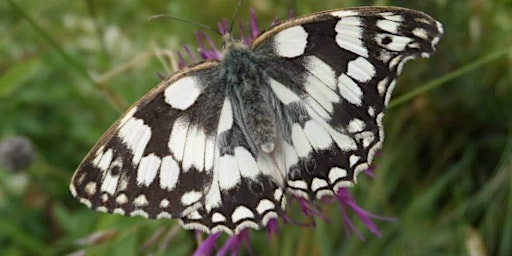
(310, 209)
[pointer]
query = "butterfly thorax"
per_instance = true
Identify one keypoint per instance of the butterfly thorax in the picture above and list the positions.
(247, 86)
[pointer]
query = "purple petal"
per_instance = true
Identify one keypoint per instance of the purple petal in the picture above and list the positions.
(346, 199)
(190, 54)
(370, 172)
(272, 228)
(349, 225)
(310, 210)
(200, 39)
(181, 60)
(254, 30)
(234, 243)
(207, 245)
(291, 14)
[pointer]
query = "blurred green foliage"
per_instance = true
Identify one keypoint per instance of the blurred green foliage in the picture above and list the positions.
(69, 68)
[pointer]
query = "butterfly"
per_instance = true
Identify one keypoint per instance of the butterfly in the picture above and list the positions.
(219, 144)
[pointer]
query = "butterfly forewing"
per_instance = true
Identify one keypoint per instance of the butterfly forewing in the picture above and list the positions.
(219, 144)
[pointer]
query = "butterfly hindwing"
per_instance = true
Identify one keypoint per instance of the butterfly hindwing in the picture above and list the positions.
(243, 191)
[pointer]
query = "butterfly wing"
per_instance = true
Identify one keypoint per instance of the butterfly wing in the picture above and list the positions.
(332, 74)
(180, 153)
(157, 159)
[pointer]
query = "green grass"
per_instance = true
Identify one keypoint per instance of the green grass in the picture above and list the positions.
(69, 68)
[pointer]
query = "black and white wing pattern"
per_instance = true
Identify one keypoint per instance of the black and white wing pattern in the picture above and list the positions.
(333, 74)
(219, 144)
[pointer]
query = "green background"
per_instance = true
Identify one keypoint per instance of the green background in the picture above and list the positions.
(69, 68)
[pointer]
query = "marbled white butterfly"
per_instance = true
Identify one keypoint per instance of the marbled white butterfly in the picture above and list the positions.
(219, 144)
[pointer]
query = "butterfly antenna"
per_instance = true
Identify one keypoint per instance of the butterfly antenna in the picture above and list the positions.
(234, 16)
(203, 26)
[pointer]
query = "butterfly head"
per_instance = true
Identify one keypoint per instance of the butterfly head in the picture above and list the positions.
(229, 43)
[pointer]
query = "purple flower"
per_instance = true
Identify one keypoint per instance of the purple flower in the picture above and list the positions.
(207, 51)
(347, 202)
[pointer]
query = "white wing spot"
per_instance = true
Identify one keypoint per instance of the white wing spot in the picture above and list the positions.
(229, 174)
(140, 201)
(285, 95)
(321, 93)
(361, 69)
(164, 203)
(209, 153)
(90, 188)
(194, 215)
(388, 26)
(147, 170)
(300, 141)
(291, 42)
(106, 159)
(321, 71)
(191, 197)
(182, 93)
(139, 212)
(353, 159)
(102, 209)
(396, 43)
(391, 87)
(318, 184)
(246, 163)
(109, 183)
(136, 135)
(240, 213)
(164, 215)
(86, 202)
(318, 108)
(336, 173)
(169, 173)
(264, 205)
(128, 115)
(350, 90)
(317, 135)
(194, 149)
(118, 211)
(298, 184)
(226, 117)
(371, 111)
(289, 155)
(218, 217)
(355, 125)
(344, 142)
(349, 35)
(382, 85)
(178, 138)
(213, 198)
(366, 137)
(278, 193)
(97, 158)
(123, 183)
(121, 199)
(391, 16)
(421, 33)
